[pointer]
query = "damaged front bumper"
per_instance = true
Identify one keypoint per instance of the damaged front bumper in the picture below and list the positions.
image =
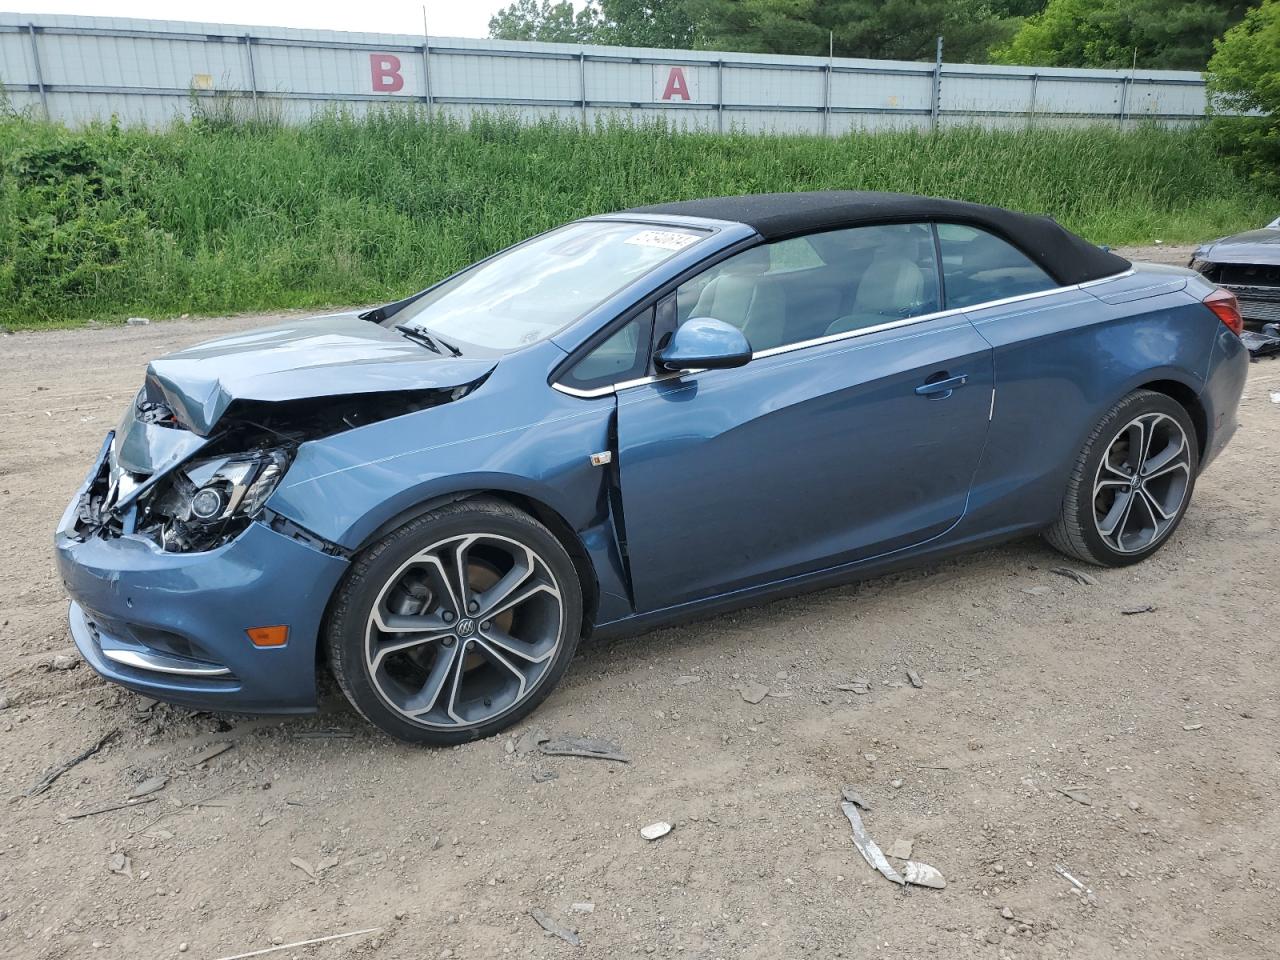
(173, 625)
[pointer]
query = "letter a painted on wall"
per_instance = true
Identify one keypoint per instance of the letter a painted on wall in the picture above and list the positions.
(385, 68)
(677, 85)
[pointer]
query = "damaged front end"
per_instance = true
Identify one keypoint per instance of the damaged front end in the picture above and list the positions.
(172, 558)
(215, 427)
(209, 501)
(1248, 265)
(1256, 286)
(162, 481)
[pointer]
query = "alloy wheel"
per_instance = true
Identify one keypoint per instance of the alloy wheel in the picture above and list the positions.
(1142, 483)
(464, 630)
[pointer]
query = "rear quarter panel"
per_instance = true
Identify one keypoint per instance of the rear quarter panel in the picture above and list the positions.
(1224, 384)
(1062, 360)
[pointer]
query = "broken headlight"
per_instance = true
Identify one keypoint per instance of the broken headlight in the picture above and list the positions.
(208, 502)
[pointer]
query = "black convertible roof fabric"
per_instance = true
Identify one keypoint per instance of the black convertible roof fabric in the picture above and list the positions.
(777, 216)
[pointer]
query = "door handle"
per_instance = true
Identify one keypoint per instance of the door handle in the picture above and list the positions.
(940, 386)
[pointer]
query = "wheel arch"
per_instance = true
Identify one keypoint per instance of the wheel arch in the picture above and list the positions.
(544, 513)
(1187, 398)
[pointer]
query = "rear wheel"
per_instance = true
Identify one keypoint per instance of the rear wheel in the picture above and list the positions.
(456, 625)
(1131, 483)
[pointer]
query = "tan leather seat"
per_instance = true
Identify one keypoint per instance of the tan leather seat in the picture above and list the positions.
(751, 302)
(892, 284)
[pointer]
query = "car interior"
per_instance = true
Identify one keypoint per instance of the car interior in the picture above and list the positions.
(978, 267)
(809, 287)
(828, 283)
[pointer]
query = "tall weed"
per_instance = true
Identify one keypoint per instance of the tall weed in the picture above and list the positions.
(226, 213)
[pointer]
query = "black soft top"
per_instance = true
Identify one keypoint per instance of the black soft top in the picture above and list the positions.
(777, 216)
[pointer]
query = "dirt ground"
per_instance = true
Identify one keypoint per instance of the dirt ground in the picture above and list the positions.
(1166, 722)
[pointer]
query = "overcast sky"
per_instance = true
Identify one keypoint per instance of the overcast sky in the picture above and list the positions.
(446, 18)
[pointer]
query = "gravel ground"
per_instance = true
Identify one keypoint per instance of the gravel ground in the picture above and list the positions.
(1165, 722)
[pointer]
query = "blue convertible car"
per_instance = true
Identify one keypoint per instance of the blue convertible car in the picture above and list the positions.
(625, 421)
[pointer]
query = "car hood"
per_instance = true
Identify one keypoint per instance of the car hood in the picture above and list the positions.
(1255, 246)
(337, 355)
(271, 375)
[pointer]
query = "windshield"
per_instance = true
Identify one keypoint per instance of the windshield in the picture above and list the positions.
(536, 289)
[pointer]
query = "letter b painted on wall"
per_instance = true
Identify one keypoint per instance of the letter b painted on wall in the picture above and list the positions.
(385, 70)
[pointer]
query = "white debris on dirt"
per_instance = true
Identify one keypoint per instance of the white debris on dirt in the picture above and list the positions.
(867, 847)
(655, 830)
(859, 686)
(213, 750)
(554, 927)
(923, 875)
(305, 866)
(589, 748)
(853, 796)
(121, 864)
(1079, 576)
(149, 786)
(900, 849)
(1076, 794)
(919, 874)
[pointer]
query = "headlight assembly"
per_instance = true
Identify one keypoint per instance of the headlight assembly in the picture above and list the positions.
(207, 502)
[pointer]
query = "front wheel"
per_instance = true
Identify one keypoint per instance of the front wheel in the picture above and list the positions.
(457, 624)
(1131, 483)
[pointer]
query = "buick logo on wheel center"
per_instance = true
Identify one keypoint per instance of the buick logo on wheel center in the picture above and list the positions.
(466, 628)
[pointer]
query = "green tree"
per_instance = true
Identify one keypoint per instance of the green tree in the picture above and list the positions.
(1244, 76)
(1164, 34)
(637, 23)
(1017, 8)
(883, 29)
(546, 21)
(628, 23)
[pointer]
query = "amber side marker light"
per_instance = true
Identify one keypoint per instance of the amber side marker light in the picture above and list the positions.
(268, 636)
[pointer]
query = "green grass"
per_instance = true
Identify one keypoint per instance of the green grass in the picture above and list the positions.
(208, 217)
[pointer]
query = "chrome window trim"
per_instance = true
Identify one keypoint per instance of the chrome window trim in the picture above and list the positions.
(861, 331)
(1115, 276)
(851, 334)
(624, 385)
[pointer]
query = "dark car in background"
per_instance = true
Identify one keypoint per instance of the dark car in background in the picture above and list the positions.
(1247, 264)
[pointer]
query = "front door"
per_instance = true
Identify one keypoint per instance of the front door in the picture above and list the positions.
(813, 454)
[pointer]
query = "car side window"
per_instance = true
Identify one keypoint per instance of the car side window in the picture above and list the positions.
(623, 356)
(977, 267)
(809, 287)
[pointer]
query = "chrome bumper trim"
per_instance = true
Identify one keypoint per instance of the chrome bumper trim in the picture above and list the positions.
(160, 663)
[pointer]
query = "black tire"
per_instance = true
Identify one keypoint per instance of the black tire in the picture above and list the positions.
(353, 636)
(1078, 531)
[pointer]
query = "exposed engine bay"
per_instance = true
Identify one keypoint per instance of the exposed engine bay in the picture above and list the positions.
(188, 493)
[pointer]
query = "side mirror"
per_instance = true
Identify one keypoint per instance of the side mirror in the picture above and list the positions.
(703, 343)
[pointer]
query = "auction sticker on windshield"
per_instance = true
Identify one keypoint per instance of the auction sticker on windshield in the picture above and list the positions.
(666, 239)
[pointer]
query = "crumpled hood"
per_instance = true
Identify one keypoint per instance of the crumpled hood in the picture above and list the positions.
(337, 355)
(1255, 246)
